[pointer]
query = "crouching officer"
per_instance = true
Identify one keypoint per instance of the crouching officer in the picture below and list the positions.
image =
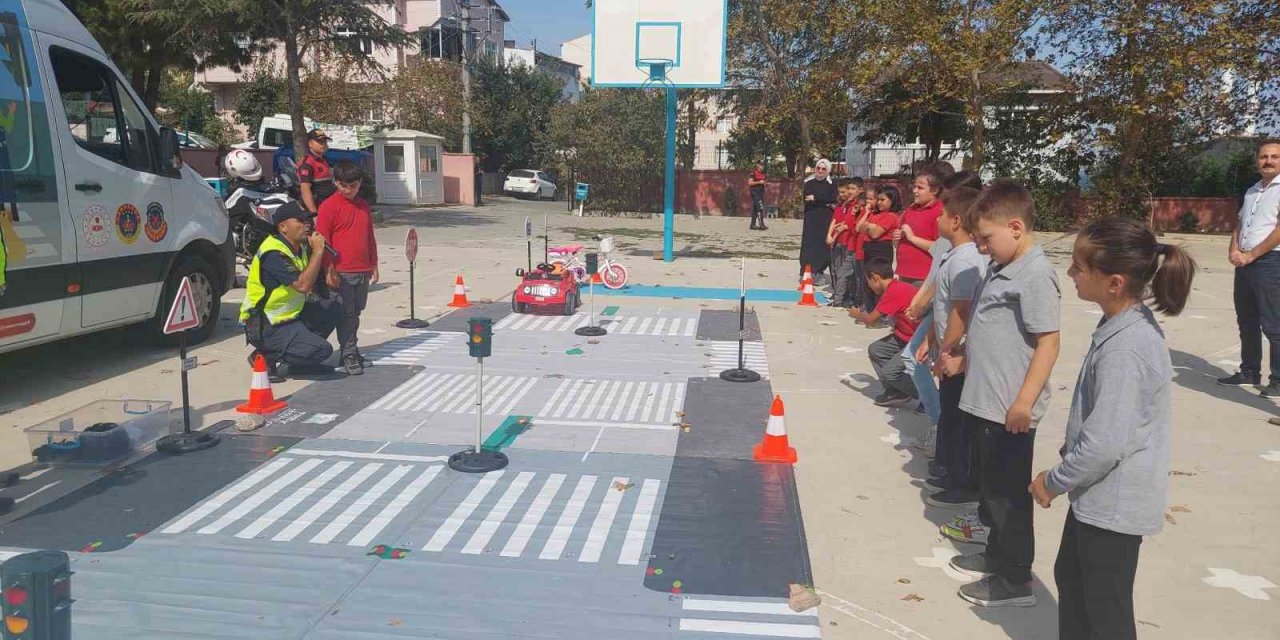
(284, 319)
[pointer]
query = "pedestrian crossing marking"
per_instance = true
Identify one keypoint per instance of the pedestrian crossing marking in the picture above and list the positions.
(604, 522)
(619, 325)
(724, 355)
(455, 393)
(323, 483)
(524, 531)
(758, 618)
(633, 546)
(498, 514)
(411, 349)
(615, 400)
(568, 518)
(445, 533)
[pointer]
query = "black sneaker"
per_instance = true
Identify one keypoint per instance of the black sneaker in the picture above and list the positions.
(277, 372)
(891, 399)
(365, 362)
(920, 409)
(953, 499)
(1272, 390)
(1241, 379)
(935, 485)
(994, 591)
(973, 565)
(352, 364)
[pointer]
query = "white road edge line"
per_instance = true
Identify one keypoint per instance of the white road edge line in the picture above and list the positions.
(737, 606)
(361, 455)
(772, 629)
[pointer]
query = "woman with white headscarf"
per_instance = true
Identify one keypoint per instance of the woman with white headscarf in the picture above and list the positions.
(819, 197)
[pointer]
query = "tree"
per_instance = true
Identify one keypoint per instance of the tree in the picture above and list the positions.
(188, 108)
(261, 96)
(331, 34)
(613, 139)
(427, 95)
(148, 40)
(329, 97)
(798, 56)
(1149, 74)
(511, 112)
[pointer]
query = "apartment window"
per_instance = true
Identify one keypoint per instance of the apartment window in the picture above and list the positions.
(724, 125)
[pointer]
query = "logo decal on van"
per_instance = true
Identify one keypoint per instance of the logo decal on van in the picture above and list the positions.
(156, 227)
(128, 222)
(17, 325)
(96, 233)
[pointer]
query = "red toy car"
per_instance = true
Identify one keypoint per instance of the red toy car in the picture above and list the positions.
(547, 289)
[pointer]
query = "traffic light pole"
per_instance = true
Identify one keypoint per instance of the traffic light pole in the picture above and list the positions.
(742, 373)
(478, 459)
(593, 267)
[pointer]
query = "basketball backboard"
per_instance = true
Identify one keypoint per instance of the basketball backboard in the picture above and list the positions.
(634, 40)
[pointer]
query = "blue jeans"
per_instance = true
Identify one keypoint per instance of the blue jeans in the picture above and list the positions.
(926, 389)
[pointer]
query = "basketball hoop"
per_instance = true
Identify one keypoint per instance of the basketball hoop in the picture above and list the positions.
(657, 70)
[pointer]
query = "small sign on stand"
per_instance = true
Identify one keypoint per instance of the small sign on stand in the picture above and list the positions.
(528, 242)
(183, 317)
(411, 254)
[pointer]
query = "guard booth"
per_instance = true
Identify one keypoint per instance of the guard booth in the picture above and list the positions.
(407, 167)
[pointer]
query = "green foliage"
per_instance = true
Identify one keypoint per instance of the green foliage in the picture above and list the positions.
(1188, 222)
(182, 106)
(732, 204)
(427, 95)
(263, 95)
(614, 139)
(511, 113)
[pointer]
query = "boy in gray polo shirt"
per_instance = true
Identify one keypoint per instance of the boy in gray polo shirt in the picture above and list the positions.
(1009, 353)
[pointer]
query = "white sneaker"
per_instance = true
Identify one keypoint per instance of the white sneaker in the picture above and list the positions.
(967, 529)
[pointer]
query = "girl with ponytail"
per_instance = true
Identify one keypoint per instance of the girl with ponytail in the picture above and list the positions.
(1115, 463)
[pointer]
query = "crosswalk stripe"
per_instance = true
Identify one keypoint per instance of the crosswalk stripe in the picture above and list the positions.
(745, 628)
(638, 530)
(361, 505)
(638, 400)
(393, 509)
(612, 393)
(735, 606)
(659, 326)
(604, 521)
(621, 405)
(450, 527)
(515, 393)
(568, 518)
(260, 497)
(227, 495)
(644, 326)
(326, 503)
(278, 511)
(533, 517)
(498, 514)
(568, 397)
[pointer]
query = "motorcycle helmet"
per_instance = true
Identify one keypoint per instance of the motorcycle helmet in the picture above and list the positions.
(241, 165)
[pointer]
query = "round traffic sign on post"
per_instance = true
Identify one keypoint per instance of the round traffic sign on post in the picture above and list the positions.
(411, 245)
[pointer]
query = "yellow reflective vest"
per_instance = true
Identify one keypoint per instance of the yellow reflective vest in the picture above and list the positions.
(284, 303)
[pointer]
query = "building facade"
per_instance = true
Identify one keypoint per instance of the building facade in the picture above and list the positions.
(566, 72)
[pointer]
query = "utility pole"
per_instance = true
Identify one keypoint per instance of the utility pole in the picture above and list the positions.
(465, 6)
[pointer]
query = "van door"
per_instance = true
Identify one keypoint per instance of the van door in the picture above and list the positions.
(110, 159)
(36, 270)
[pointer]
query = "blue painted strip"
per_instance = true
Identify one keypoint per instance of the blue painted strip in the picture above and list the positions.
(707, 293)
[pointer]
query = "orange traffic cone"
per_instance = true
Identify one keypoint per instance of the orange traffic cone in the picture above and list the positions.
(775, 446)
(459, 294)
(596, 279)
(807, 272)
(806, 295)
(261, 399)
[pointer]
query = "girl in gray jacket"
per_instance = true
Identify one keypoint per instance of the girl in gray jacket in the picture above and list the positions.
(1115, 463)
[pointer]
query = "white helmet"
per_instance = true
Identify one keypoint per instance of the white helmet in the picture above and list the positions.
(242, 165)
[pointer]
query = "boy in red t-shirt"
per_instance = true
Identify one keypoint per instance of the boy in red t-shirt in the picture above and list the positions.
(840, 240)
(345, 219)
(886, 353)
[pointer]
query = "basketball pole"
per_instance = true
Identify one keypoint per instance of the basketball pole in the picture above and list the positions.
(669, 218)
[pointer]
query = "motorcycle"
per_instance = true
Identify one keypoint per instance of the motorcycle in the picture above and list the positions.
(251, 205)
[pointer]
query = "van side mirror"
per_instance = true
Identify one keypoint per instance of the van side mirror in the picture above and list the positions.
(170, 149)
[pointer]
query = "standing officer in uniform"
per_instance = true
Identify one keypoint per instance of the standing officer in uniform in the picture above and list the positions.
(315, 178)
(282, 320)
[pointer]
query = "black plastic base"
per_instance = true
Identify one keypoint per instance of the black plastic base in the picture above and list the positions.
(739, 375)
(180, 443)
(483, 461)
(413, 323)
(590, 331)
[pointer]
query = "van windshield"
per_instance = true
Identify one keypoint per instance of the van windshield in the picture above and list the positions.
(277, 138)
(522, 174)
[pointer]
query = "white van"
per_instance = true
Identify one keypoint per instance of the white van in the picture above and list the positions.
(277, 131)
(98, 229)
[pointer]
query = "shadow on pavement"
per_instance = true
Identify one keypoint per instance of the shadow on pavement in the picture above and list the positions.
(1195, 373)
(430, 218)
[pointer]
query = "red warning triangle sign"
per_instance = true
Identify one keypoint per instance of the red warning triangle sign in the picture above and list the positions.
(182, 315)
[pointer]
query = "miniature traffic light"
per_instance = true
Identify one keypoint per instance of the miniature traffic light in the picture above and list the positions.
(36, 596)
(480, 337)
(593, 263)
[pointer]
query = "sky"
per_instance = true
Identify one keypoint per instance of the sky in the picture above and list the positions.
(552, 22)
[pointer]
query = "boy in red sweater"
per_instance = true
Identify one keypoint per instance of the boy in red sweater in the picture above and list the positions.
(348, 224)
(885, 353)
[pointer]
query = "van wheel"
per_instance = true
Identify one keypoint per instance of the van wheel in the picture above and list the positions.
(208, 301)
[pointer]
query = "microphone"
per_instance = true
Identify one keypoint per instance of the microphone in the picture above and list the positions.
(331, 251)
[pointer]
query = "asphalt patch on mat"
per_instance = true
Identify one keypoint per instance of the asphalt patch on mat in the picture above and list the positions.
(325, 404)
(122, 506)
(726, 419)
(719, 324)
(729, 528)
(457, 319)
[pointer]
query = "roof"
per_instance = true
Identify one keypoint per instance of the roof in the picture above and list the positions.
(407, 133)
(1029, 75)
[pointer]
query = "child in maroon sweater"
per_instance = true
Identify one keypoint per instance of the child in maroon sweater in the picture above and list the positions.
(345, 219)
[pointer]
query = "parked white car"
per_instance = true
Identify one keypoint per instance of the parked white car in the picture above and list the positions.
(530, 182)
